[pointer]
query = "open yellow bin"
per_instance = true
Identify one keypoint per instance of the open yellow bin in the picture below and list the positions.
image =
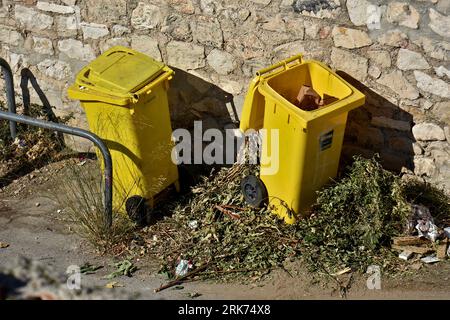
(124, 95)
(310, 142)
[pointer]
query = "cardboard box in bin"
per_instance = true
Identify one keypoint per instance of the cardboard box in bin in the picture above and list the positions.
(308, 99)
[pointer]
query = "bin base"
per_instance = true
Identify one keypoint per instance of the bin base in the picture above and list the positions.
(137, 210)
(140, 209)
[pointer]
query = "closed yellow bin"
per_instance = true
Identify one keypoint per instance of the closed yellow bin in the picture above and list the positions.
(124, 95)
(309, 142)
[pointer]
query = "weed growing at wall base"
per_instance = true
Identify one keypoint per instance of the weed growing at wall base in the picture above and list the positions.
(80, 194)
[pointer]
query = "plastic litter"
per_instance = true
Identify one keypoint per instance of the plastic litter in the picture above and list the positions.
(183, 267)
(418, 212)
(405, 255)
(421, 220)
(427, 229)
(447, 232)
(430, 259)
(193, 224)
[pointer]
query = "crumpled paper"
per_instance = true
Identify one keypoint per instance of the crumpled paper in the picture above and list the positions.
(183, 267)
(427, 229)
(422, 221)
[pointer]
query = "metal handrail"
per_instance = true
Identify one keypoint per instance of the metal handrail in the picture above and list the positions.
(9, 82)
(80, 133)
(14, 118)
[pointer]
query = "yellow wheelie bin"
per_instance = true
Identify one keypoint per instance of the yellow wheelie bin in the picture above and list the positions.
(124, 95)
(300, 149)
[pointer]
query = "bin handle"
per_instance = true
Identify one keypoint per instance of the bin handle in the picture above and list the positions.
(286, 64)
(134, 97)
(148, 88)
(84, 82)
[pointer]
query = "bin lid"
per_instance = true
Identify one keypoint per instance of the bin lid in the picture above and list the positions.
(119, 71)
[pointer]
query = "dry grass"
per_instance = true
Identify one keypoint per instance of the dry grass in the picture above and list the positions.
(81, 196)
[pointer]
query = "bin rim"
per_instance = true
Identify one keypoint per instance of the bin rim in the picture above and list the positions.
(352, 101)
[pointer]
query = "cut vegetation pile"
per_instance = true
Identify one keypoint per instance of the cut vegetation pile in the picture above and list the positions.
(352, 225)
(354, 220)
(214, 227)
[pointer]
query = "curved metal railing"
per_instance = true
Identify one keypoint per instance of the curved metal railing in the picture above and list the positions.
(14, 118)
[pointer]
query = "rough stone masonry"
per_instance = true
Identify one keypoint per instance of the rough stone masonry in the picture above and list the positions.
(396, 52)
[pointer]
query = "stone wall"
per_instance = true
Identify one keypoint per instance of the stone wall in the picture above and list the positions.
(396, 52)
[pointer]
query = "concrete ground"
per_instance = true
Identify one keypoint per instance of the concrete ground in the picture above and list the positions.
(38, 232)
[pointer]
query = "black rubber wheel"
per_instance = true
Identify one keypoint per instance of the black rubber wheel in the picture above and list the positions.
(254, 191)
(137, 209)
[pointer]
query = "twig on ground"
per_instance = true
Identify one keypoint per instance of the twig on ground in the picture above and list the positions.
(227, 212)
(181, 279)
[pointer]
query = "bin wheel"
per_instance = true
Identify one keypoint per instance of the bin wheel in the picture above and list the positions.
(137, 209)
(254, 191)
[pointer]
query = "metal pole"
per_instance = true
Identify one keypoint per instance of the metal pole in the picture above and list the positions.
(12, 117)
(9, 82)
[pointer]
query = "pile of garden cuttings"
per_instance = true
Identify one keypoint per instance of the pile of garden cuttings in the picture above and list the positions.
(214, 233)
(32, 148)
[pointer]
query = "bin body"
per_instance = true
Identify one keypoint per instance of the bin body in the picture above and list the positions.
(310, 142)
(124, 95)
